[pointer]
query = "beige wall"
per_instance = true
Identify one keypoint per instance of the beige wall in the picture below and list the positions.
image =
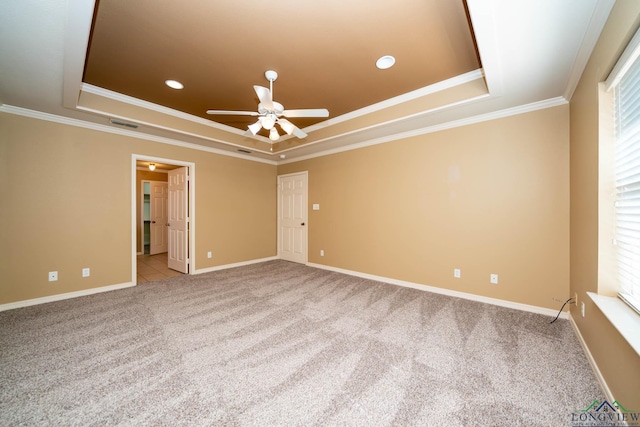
(67, 205)
(617, 361)
(487, 198)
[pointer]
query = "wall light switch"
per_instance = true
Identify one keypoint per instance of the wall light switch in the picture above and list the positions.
(316, 206)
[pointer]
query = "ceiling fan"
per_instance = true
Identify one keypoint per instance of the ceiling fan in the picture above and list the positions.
(270, 112)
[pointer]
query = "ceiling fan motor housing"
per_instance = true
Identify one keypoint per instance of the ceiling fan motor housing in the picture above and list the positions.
(271, 75)
(271, 112)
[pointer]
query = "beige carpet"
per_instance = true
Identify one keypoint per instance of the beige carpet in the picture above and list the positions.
(279, 343)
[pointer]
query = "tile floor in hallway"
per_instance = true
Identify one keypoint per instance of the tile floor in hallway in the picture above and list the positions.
(153, 267)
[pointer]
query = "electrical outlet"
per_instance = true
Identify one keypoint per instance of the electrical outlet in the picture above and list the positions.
(53, 276)
(582, 309)
(456, 273)
(321, 252)
(494, 279)
(209, 254)
(86, 272)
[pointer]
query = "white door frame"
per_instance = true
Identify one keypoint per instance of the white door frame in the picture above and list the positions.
(306, 214)
(192, 208)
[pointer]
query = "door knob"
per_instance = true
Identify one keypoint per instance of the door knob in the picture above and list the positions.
(302, 223)
(153, 222)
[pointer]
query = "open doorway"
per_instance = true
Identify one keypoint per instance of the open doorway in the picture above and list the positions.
(163, 225)
(153, 217)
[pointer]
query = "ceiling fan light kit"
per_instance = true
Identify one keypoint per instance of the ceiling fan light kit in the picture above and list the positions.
(286, 126)
(268, 121)
(271, 113)
(255, 128)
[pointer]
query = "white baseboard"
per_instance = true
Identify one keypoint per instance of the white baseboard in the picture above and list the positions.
(449, 292)
(596, 371)
(458, 294)
(68, 295)
(60, 297)
(236, 264)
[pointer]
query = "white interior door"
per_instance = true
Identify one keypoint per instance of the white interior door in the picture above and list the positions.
(159, 218)
(178, 256)
(292, 217)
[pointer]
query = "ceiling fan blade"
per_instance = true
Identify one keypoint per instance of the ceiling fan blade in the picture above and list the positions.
(234, 113)
(264, 95)
(290, 128)
(317, 112)
(299, 132)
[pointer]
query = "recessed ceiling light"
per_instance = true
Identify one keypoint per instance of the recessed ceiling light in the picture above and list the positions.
(385, 62)
(174, 84)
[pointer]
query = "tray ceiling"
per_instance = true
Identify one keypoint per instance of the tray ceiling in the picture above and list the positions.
(324, 52)
(98, 64)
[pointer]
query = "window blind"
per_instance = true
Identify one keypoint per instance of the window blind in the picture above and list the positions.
(627, 181)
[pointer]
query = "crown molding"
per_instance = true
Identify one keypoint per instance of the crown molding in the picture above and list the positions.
(108, 129)
(409, 96)
(540, 105)
(388, 122)
(549, 103)
(170, 129)
(105, 93)
(418, 93)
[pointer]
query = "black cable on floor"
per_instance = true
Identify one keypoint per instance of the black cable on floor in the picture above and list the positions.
(562, 308)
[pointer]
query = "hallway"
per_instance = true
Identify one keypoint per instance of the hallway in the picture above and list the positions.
(153, 267)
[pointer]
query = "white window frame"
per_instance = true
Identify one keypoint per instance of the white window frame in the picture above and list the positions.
(621, 315)
(627, 246)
